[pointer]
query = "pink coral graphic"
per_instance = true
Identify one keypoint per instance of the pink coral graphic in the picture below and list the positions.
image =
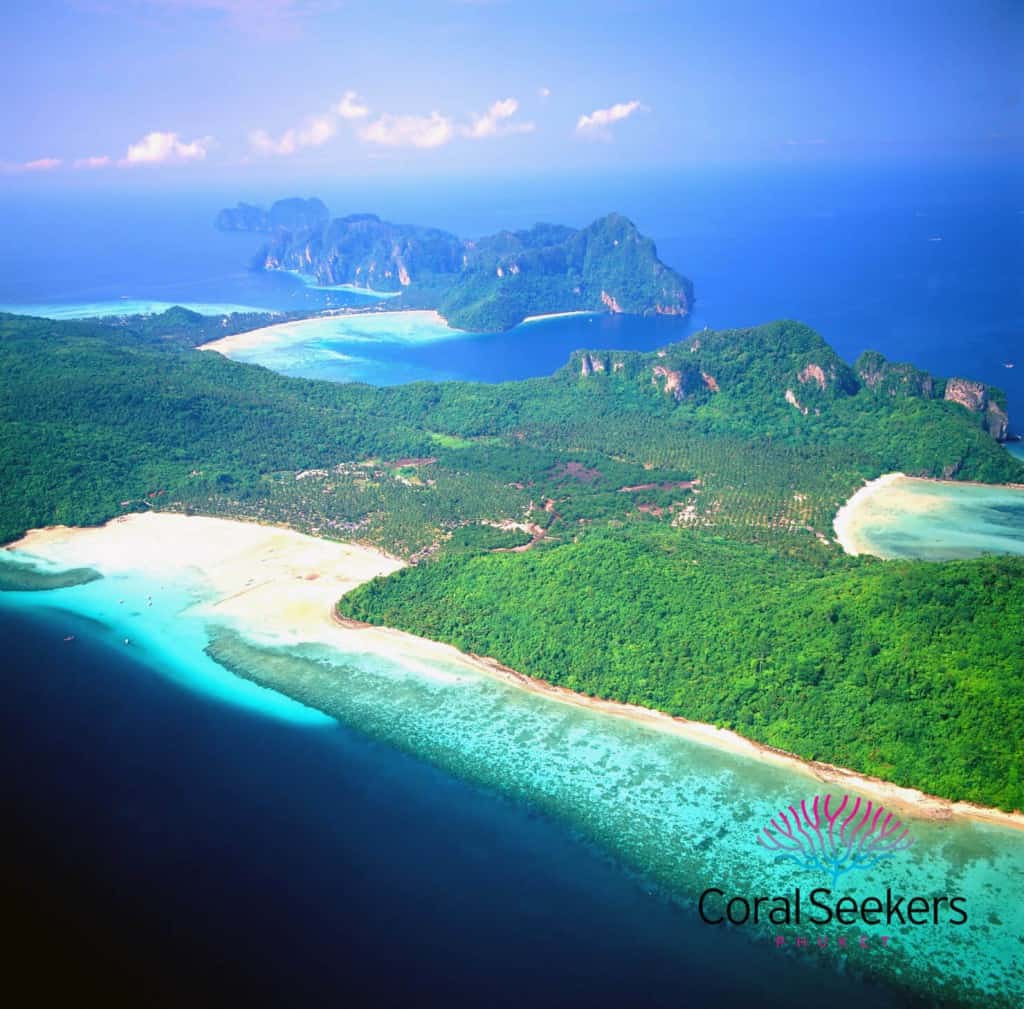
(835, 836)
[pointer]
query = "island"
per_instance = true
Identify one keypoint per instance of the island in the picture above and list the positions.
(486, 285)
(654, 529)
(295, 214)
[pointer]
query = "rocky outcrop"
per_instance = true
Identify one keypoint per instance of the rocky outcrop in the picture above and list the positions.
(813, 373)
(673, 380)
(679, 383)
(871, 368)
(587, 363)
(996, 421)
(610, 303)
(976, 397)
(793, 401)
(969, 394)
(710, 381)
(888, 378)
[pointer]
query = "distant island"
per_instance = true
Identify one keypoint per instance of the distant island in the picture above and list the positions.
(295, 214)
(487, 285)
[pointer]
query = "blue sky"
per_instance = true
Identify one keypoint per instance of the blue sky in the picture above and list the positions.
(210, 90)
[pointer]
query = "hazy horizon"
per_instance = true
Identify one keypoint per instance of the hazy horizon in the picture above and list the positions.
(259, 93)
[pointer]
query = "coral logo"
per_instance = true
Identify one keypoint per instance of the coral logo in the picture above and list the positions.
(835, 836)
(831, 836)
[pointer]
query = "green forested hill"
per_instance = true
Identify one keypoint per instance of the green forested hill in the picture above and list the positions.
(913, 672)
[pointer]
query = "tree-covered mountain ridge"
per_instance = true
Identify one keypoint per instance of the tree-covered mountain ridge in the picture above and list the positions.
(485, 285)
(783, 378)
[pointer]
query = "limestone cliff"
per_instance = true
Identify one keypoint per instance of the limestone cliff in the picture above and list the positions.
(892, 379)
(978, 398)
(781, 372)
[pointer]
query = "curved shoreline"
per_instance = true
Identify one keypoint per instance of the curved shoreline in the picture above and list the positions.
(912, 800)
(843, 523)
(291, 332)
(281, 333)
(278, 586)
(919, 803)
(558, 315)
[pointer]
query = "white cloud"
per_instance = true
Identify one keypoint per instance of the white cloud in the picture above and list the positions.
(317, 130)
(263, 143)
(41, 164)
(98, 161)
(544, 92)
(597, 123)
(351, 107)
(156, 147)
(495, 122)
(389, 130)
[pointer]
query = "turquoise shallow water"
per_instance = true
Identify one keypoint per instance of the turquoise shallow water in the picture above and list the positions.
(347, 348)
(389, 348)
(683, 816)
(149, 616)
(929, 520)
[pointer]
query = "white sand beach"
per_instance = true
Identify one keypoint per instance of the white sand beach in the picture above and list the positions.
(277, 586)
(908, 517)
(845, 523)
(558, 315)
(375, 324)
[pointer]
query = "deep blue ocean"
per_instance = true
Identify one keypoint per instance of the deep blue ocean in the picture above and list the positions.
(165, 847)
(238, 859)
